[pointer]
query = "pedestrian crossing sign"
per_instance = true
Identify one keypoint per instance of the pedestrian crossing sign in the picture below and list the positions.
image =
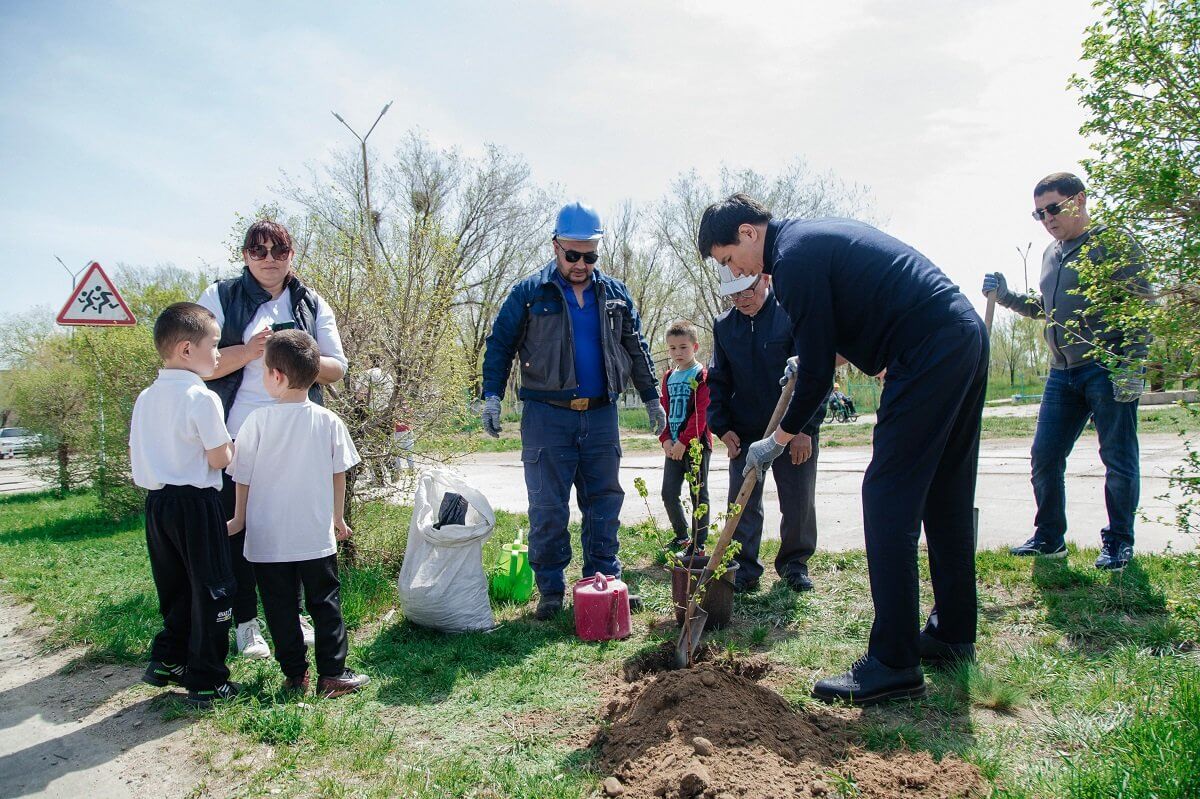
(95, 301)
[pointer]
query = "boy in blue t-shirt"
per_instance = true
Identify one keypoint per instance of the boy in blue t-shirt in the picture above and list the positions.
(684, 395)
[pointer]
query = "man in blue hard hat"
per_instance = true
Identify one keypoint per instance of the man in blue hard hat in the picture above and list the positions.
(579, 342)
(855, 291)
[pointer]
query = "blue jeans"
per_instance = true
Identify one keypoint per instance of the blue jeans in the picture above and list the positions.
(561, 448)
(1070, 397)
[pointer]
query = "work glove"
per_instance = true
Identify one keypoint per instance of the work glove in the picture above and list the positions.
(789, 371)
(995, 282)
(760, 454)
(1127, 388)
(658, 417)
(491, 416)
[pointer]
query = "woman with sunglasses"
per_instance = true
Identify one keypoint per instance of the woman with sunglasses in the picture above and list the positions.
(266, 297)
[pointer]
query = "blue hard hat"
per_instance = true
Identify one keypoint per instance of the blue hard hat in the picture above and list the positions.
(578, 222)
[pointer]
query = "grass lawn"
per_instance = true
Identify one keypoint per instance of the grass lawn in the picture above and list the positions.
(1088, 683)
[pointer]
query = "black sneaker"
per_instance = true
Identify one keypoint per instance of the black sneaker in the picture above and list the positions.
(797, 579)
(870, 682)
(1035, 547)
(548, 606)
(939, 653)
(160, 674)
(205, 698)
(1114, 557)
(745, 586)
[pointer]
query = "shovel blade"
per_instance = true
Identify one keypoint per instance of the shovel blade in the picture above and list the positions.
(689, 636)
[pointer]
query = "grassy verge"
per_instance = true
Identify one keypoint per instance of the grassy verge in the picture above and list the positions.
(1088, 684)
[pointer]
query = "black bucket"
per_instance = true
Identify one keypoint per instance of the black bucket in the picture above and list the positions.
(718, 596)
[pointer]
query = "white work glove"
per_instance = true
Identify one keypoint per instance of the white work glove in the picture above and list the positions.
(491, 416)
(995, 283)
(657, 416)
(760, 454)
(1127, 388)
(789, 371)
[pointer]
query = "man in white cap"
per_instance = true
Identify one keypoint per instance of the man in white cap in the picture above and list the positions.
(579, 341)
(752, 342)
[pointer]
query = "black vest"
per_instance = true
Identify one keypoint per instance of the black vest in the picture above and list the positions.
(241, 297)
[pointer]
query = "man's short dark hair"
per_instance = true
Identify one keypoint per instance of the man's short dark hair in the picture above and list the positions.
(183, 321)
(682, 327)
(295, 353)
(1064, 183)
(271, 231)
(720, 221)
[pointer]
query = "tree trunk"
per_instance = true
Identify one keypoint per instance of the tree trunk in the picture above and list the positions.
(64, 470)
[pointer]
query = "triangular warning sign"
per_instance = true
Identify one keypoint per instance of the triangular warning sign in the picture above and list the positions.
(95, 301)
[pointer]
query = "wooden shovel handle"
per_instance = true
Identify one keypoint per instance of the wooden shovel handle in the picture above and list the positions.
(990, 311)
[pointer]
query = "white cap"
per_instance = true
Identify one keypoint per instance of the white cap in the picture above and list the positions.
(730, 284)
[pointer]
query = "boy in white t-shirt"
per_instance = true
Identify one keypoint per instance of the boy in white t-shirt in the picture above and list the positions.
(178, 445)
(290, 472)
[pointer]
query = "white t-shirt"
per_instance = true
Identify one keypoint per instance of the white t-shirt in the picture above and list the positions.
(175, 421)
(288, 454)
(251, 394)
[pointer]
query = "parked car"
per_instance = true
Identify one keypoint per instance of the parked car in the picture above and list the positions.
(15, 441)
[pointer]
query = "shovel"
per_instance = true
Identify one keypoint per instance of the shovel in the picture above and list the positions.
(696, 617)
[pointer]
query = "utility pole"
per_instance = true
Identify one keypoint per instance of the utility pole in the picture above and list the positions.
(371, 219)
(74, 275)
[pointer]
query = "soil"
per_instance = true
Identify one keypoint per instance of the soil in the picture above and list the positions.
(713, 731)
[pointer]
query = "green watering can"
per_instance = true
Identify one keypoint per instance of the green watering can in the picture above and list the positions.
(513, 578)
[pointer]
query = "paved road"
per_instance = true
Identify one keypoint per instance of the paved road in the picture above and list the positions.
(15, 476)
(1004, 495)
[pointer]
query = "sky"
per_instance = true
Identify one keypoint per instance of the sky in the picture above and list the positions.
(132, 132)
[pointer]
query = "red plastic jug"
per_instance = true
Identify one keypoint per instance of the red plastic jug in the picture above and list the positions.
(601, 608)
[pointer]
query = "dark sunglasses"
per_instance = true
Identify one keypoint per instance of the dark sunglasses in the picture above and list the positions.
(573, 256)
(279, 252)
(1053, 209)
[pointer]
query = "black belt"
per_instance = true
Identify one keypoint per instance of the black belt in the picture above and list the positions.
(580, 404)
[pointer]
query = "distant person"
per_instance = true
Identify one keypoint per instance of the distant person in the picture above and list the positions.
(578, 339)
(1079, 385)
(751, 345)
(178, 445)
(290, 471)
(267, 296)
(684, 395)
(852, 290)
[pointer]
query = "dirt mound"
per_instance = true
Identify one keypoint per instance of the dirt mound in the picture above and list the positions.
(708, 732)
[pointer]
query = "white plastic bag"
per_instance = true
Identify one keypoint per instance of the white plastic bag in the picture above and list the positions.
(442, 584)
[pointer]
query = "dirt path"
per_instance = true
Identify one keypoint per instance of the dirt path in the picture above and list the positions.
(73, 731)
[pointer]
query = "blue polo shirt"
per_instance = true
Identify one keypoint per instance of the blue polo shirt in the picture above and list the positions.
(585, 326)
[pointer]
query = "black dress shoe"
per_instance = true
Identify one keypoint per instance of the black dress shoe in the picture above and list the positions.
(548, 607)
(745, 586)
(939, 653)
(870, 682)
(797, 579)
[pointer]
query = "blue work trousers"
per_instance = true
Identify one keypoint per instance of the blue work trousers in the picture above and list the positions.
(563, 448)
(1070, 397)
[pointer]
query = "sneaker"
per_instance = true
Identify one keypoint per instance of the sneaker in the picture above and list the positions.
(1114, 557)
(205, 698)
(161, 674)
(745, 586)
(869, 682)
(548, 606)
(346, 683)
(310, 636)
(250, 642)
(1035, 547)
(940, 653)
(797, 579)
(297, 685)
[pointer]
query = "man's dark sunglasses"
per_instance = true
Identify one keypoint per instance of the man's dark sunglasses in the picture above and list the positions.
(1053, 209)
(573, 256)
(279, 252)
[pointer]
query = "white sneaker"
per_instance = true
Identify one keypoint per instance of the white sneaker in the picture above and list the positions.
(310, 636)
(250, 642)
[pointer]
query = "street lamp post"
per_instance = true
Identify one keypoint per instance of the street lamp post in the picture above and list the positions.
(74, 275)
(372, 220)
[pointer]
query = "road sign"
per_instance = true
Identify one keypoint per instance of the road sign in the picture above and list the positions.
(95, 301)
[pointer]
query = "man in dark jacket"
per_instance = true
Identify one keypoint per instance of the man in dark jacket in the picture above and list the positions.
(579, 341)
(852, 290)
(1080, 386)
(751, 344)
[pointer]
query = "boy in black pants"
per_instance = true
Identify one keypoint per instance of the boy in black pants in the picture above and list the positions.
(685, 399)
(178, 445)
(290, 472)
